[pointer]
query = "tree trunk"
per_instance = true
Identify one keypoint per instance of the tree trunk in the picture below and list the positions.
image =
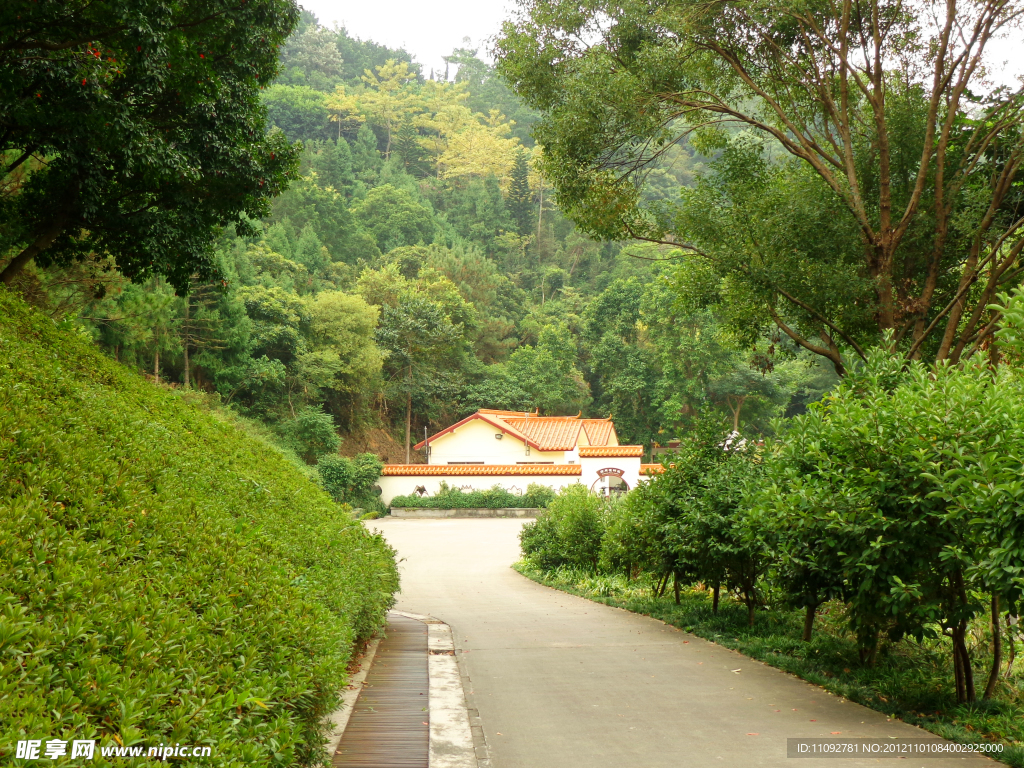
(156, 366)
(675, 585)
(661, 585)
(408, 417)
(809, 614)
(967, 673)
(997, 650)
(714, 598)
(188, 307)
(1012, 655)
(750, 598)
(958, 673)
(740, 399)
(40, 244)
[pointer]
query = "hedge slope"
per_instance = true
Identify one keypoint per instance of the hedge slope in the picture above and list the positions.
(163, 577)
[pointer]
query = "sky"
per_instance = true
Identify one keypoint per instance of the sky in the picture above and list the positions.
(429, 31)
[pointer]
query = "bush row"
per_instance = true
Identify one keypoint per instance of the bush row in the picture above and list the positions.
(899, 496)
(164, 577)
(536, 497)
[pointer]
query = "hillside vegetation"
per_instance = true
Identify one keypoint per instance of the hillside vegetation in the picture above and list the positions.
(163, 576)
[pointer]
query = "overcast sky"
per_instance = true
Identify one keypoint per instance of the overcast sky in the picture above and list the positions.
(431, 30)
(428, 30)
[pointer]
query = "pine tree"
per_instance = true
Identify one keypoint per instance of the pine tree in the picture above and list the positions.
(310, 252)
(520, 198)
(338, 167)
(366, 160)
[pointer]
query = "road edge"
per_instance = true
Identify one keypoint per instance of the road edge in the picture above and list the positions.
(453, 739)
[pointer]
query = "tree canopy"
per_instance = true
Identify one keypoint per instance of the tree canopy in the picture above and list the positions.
(136, 129)
(866, 117)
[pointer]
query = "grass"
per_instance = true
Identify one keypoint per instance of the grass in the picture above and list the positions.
(166, 574)
(910, 681)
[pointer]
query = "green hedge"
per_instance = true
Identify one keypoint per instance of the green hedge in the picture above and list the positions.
(163, 576)
(536, 496)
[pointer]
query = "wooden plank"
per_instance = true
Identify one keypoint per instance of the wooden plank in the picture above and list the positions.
(389, 727)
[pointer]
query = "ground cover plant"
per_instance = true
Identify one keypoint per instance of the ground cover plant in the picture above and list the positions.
(536, 496)
(164, 577)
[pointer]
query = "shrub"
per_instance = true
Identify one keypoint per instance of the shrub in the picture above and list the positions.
(311, 433)
(536, 497)
(568, 533)
(164, 577)
(350, 480)
(902, 491)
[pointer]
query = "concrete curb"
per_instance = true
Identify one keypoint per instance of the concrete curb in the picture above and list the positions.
(339, 718)
(451, 738)
(419, 513)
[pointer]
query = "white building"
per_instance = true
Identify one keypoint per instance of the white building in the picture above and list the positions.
(512, 449)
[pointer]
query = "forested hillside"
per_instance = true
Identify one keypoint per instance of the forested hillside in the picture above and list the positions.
(415, 270)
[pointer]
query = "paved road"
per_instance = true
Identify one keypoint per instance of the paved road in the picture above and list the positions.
(561, 682)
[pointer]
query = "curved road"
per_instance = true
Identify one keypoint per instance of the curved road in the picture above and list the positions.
(562, 682)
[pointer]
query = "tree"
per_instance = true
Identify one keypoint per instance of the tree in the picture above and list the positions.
(900, 488)
(387, 99)
(520, 197)
(311, 56)
(339, 332)
(419, 339)
(298, 110)
(394, 218)
(135, 129)
(889, 114)
(311, 434)
(349, 480)
(548, 373)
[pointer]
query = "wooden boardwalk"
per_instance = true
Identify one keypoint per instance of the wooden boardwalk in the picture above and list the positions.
(389, 726)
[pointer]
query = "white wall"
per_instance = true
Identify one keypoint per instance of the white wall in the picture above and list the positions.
(475, 441)
(392, 486)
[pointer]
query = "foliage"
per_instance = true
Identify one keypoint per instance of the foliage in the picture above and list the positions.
(903, 488)
(136, 130)
(311, 433)
(407, 287)
(165, 576)
(568, 532)
(898, 495)
(349, 480)
(689, 521)
(853, 191)
(547, 373)
(448, 497)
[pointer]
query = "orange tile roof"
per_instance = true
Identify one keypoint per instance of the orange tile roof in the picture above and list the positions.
(490, 418)
(434, 470)
(599, 431)
(651, 469)
(545, 433)
(551, 433)
(601, 451)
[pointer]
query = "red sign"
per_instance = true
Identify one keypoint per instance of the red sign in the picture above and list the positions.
(611, 471)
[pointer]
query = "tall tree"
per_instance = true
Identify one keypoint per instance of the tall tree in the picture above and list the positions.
(886, 107)
(387, 100)
(520, 197)
(136, 129)
(419, 339)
